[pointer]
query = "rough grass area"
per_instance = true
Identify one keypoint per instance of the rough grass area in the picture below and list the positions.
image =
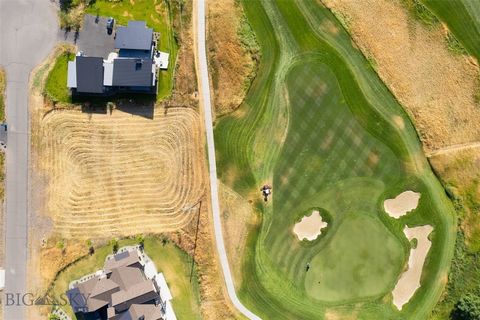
(56, 85)
(168, 258)
(320, 126)
(460, 172)
(463, 20)
(233, 54)
(158, 15)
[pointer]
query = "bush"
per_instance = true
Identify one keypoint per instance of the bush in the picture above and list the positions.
(467, 308)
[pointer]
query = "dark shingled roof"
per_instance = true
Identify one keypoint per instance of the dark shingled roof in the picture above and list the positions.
(89, 74)
(132, 72)
(135, 36)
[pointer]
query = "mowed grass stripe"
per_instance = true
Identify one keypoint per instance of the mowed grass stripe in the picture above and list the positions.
(109, 170)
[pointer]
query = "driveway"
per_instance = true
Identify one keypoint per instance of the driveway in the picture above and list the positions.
(28, 31)
(93, 39)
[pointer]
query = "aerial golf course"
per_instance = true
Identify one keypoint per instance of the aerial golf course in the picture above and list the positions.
(320, 127)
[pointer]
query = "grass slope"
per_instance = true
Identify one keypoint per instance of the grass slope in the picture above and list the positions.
(169, 259)
(462, 18)
(157, 14)
(56, 84)
(320, 124)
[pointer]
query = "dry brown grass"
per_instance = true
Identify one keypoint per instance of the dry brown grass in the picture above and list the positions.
(238, 218)
(231, 64)
(119, 174)
(215, 302)
(436, 86)
(460, 172)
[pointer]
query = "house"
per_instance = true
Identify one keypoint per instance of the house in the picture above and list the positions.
(123, 290)
(132, 68)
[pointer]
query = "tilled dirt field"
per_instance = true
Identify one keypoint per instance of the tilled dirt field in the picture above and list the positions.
(121, 174)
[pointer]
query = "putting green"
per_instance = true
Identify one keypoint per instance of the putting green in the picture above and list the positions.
(360, 261)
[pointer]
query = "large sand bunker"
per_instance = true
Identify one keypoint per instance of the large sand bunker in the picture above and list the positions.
(121, 174)
(401, 204)
(310, 227)
(409, 281)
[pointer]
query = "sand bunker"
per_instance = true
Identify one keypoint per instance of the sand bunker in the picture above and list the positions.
(409, 281)
(310, 226)
(401, 204)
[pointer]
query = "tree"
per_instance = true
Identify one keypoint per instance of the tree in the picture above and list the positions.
(467, 308)
(91, 249)
(141, 240)
(114, 243)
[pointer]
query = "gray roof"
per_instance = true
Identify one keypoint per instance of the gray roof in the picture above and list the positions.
(123, 259)
(89, 74)
(132, 72)
(135, 36)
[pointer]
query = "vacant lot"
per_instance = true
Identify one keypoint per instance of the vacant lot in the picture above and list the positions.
(121, 174)
(323, 130)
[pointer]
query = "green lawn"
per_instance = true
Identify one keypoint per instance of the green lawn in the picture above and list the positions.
(157, 14)
(169, 259)
(359, 262)
(56, 85)
(323, 129)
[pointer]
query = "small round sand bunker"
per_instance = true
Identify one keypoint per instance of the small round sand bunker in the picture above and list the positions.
(402, 204)
(310, 227)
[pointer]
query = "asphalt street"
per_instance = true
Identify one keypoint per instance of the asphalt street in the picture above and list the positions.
(207, 113)
(28, 32)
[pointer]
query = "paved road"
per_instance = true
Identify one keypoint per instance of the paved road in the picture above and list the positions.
(28, 31)
(207, 108)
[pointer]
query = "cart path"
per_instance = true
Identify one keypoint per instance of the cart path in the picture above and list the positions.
(205, 102)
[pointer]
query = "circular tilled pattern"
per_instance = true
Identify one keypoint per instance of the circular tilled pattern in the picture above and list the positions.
(121, 174)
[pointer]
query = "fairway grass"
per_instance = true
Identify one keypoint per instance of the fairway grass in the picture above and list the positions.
(320, 126)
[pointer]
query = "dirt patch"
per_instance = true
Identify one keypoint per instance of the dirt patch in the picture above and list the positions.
(232, 54)
(310, 227)
(436, 86)
(401, 204)
(334, 314)
(409, 281)
(399, 122)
